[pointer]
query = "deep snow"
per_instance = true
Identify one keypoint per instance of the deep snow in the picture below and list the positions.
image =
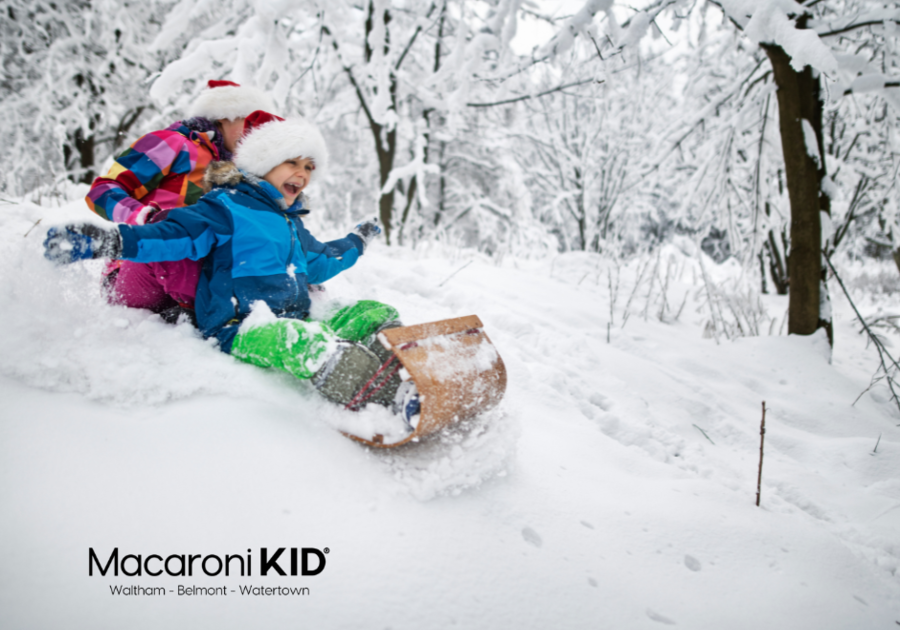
(589, 499)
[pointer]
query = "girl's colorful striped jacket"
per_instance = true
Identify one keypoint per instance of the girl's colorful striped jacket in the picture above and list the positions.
(163, 169)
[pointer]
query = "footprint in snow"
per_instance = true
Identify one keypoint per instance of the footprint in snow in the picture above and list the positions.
(692, 563)
(532, 537)
(655, 616)
(599, 400)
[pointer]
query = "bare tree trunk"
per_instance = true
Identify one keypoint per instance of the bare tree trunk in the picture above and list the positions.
(385, 142)
(776, 265)
(799, 100)
(442, 184)
(78, 153)
(385, 166)
(387, 153)
(580, 210)
(125, 125)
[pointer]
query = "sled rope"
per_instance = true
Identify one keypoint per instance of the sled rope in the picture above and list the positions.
(362, 396)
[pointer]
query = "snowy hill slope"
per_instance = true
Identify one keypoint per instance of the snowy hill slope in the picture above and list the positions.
(590, 499)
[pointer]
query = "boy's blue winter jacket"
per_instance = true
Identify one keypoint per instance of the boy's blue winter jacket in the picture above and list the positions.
(258, 250)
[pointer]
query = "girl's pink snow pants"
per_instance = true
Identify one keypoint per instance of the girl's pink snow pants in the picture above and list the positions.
(155, 286)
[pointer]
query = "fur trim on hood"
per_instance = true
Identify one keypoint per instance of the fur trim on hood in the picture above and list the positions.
(222, 174)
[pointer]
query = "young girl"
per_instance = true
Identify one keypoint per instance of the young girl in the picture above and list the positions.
(163, 170)
(260, 258)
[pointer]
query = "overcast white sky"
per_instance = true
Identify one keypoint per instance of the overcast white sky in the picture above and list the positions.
(532, 32)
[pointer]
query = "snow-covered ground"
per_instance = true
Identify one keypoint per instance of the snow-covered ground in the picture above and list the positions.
(613, 488)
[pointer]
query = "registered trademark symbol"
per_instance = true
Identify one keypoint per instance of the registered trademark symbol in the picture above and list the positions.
(327, 550)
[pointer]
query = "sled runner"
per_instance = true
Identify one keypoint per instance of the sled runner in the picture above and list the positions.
(455, 368)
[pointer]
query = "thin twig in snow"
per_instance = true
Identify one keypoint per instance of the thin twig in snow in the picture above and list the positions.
(683, 302)
(872, 383)
(637, 283)
(762, 438)
(704, 434)
(454, 273)
(613, 294)
(714, 307)
(664, 291)
(652, 282)
(32, 227)
(879, 346)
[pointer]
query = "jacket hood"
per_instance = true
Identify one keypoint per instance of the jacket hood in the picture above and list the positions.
(226, 174)
(220, 174)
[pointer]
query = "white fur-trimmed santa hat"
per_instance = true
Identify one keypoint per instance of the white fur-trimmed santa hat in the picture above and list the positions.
(269, 140)
(225, 100)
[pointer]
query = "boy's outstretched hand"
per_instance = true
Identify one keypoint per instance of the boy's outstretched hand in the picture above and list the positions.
(367, 231)
(65, 245)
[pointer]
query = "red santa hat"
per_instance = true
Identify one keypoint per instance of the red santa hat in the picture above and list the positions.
(269, 140)
(226, 100)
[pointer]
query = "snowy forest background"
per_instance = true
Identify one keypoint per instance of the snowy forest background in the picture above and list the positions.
(620, 130)
(515, 127)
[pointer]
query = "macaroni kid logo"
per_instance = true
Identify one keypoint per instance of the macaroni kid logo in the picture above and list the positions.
(305, 561)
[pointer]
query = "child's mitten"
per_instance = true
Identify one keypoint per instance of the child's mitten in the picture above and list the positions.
(366, 231)
(83, 241)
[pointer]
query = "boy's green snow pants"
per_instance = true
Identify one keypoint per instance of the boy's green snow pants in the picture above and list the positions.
(301, 347)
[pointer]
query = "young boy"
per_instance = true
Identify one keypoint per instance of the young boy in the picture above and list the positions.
(257, 249)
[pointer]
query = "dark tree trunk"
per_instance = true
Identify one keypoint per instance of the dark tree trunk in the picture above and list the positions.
(387, 153)
(777, 268)
(385, 141)
(580, 210)
(799, 99)
(78, 153)
(125, 125)
(385, 166)
(442, 184)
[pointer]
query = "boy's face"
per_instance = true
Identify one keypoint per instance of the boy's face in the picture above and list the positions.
(291, 177)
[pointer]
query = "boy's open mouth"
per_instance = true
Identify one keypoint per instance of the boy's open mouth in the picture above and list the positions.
(291, 189)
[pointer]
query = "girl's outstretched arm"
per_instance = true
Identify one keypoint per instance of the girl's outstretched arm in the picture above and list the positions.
(190, 232)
